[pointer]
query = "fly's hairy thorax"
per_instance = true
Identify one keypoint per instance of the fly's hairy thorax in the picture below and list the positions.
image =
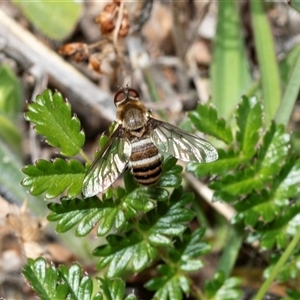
(145, 161)
(132, 114)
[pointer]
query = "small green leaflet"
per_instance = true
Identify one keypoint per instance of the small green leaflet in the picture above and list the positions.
(249, 121)
(120, 251)
(220, 288)
(188, 249)
(227, 161)
(55, 177)
(52, 118)
(273, 153)
(80, 286)
(163, 222)
(271, 157)
(173, 281)
(86, 214)
(170, 285)
(168, 219)
(205, 119)
(113, 289)
(43, 279)
(58, 283)
(278, 232)
(270, 205)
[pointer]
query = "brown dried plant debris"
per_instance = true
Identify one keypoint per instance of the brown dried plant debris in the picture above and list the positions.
(23, 236)
(114, 16)
(114, 23)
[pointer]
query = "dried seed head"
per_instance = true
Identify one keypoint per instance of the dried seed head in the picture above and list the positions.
(79, 50)
(95, 64)
(108, 17)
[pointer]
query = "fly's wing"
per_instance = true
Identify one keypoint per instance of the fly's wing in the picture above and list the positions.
(108, 165)
(180, 144)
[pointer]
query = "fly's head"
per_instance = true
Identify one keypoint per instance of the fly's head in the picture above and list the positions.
(131, 112)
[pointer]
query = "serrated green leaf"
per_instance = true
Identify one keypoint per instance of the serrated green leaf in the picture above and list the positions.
(55, 177)
(255, 206)
(114, 289)
(52, 118)
(121, 250)
(187, 250)
(205, 119)
(86, 214)
(267, 205)
(227, 161)
(272, 234)
(184, 256)
(64, 15)
(140, 199)
(171, 178)
(287, 183)
(273, 151)
(242, 182)
(168, 219)
(220, 288)
(249, 121)
(170, 285)
(44, 279)
(271, 157)
(80, 286)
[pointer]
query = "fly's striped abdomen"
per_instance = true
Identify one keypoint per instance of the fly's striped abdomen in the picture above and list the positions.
(145, 162)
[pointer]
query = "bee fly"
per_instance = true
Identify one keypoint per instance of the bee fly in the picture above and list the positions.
(136, 143)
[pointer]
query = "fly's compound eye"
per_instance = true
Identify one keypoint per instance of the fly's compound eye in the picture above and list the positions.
(119, 97)
(133, 93)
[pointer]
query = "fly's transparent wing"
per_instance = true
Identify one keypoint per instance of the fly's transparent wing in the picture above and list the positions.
(180, 144)
(108, 165)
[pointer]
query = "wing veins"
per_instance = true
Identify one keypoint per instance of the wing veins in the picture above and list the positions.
(181, 144)
(108, 165)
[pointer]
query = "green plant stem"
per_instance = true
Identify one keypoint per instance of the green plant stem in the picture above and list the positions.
(264, 45)
(231, 251)
(286, 254)
(82, 153)
(290, 95)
